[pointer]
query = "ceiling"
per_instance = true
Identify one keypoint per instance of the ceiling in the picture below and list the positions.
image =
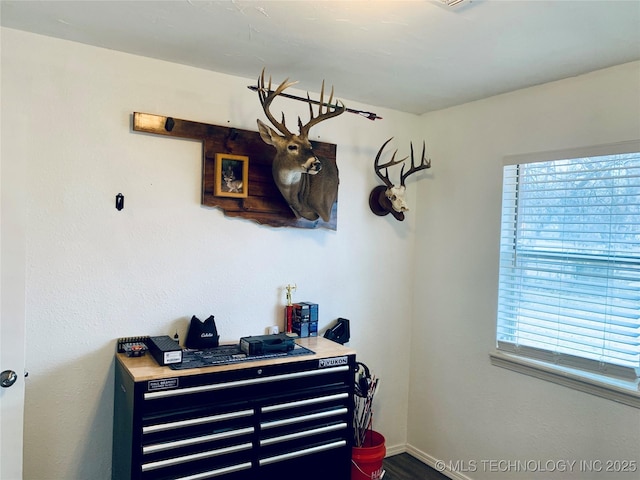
(413, 56)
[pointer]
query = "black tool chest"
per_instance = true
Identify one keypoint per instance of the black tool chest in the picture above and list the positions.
(274, 419)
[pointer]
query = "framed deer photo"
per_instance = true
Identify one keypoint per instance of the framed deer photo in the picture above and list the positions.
(231, 175)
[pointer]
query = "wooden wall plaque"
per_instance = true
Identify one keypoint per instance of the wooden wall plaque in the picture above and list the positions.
(263, 204)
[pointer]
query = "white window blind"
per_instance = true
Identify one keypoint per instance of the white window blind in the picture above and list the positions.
(569, 288)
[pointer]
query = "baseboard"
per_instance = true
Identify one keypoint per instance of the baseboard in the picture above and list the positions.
(395, 449)
(426, 459)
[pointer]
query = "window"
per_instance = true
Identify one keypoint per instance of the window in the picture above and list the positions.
(569, 287)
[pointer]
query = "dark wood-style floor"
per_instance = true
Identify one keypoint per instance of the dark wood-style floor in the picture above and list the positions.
(406, 467)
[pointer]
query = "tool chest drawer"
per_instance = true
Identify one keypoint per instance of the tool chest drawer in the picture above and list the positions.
(274, 419)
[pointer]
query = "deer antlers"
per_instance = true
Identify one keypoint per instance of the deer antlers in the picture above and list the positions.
(266, 96)
(330, 112)
(377, 167)
(424, 164)
(388, 198)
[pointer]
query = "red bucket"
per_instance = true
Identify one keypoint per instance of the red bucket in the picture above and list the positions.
(366, 461)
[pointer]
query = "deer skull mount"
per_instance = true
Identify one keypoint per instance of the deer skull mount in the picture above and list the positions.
(308, 183)
(388, 198)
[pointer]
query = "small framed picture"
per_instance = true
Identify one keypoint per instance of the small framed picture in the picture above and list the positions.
(232, 175)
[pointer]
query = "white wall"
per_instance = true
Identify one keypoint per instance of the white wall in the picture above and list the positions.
(95, 274)
(461, 408)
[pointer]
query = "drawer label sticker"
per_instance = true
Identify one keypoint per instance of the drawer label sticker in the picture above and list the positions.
(162, 384)
(333, 362)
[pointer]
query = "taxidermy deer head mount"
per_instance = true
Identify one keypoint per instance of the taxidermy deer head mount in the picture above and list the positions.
(308, 183)
(388, 198)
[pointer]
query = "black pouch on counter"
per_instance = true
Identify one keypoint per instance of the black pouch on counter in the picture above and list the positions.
(201, 334)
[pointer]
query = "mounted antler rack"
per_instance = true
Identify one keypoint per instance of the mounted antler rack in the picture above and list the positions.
(388, 198)
(368, 115)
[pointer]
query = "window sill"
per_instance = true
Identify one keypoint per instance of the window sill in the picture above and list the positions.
(617, 390)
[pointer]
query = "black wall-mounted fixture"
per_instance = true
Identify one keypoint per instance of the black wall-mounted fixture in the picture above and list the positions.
(119, 201)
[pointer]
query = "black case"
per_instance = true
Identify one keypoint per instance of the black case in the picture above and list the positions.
(264, 344)
(165, 350)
